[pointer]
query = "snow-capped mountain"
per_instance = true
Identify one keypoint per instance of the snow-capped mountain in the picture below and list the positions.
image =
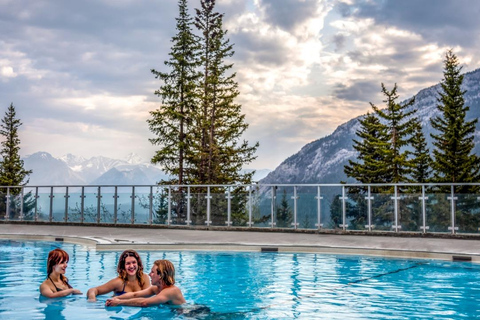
(75, 170)
(323, 160)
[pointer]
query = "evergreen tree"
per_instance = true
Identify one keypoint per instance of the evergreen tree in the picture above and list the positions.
(284, 212)
(371, 152)
(220, 154)
(12, 172)
(399, 129)
(172, 122)
(421, 155)
(453, 142)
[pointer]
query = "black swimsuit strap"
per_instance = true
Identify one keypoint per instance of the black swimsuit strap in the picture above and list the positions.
(58, 289)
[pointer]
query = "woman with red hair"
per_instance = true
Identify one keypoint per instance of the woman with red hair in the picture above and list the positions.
(131, 277)
(56, 285)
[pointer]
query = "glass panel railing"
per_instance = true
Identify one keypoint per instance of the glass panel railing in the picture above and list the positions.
(356, 207)
(410, 212)
(332, 201)
(179, 206)
(383, 209)
(239, 206)
(142, 207)
(283, 207)
(29, 204)
(75, 205)
(198, 206)
(58, 204)
(219, 207)
(107, 205)
(438, 211)
(159, 205)
(124, 205)
(307, 204)
(262, 207)
(467, 212)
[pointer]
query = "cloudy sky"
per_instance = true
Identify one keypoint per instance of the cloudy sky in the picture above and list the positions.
(78, 72)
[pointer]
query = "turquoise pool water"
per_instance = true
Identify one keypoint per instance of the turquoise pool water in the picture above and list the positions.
(222, 285)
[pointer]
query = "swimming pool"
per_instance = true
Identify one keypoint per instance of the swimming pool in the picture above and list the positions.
(222, 285)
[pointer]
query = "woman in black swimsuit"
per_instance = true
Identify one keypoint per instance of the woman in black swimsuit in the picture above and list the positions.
(131, 277)
(56, 285)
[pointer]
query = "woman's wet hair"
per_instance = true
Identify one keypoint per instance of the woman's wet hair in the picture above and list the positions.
(166, 271)
(56, 256)
(122, 272)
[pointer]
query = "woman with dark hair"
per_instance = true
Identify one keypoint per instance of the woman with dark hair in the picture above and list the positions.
(131, 277)
(162, 291)
(56, 285)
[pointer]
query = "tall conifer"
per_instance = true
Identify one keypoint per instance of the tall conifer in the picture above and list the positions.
(399, 127)
(422, 162)
(12, 172)
(371, 152)
(220, 124)
(453, 142)
(172, 123)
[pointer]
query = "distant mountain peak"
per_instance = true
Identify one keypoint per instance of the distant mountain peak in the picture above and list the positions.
(133, 158)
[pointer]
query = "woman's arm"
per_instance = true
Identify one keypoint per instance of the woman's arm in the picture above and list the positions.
(138, 294)
(112, 285)
(46, 291)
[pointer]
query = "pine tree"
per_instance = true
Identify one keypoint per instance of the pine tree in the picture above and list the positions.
(220, 154)
(399, 127)
(371, 152)
(284, 212)
(420, 155)
(453, 142)
(12, 172)
(172, 122)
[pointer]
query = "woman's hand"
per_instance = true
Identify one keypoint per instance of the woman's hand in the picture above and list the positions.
(75, 291)
(112, 302)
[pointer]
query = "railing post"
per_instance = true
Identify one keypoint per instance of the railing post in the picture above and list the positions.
(273, 206)
(36, 203)
(99, 199)
(7, 205)
(229, 207)
(319, 198)
(82, 205)
(295, 197)
(169, 211)
(51, 205)
(250, 204)
(395, 199)
(344, 224)
(452, 199)
(66, 204)
(115, 206)
(424, 226)
(189, 196)
(369, 199)
(21, 203)
(208, 197)
(150, 207)
(132, 219)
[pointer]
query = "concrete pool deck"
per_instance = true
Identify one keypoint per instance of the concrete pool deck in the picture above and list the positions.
(120, 238)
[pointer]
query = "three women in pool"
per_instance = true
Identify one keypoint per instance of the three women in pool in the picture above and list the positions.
(131, 277)
(162, 291)
(56, 285)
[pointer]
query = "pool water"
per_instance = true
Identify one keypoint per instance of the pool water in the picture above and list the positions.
(224, 285)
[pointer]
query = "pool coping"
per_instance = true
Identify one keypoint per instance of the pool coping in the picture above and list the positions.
(107, 239)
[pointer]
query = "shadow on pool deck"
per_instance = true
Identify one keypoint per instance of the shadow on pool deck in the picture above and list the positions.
(119, 238)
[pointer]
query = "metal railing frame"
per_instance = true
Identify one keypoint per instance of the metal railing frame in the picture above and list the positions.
(249, 192)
